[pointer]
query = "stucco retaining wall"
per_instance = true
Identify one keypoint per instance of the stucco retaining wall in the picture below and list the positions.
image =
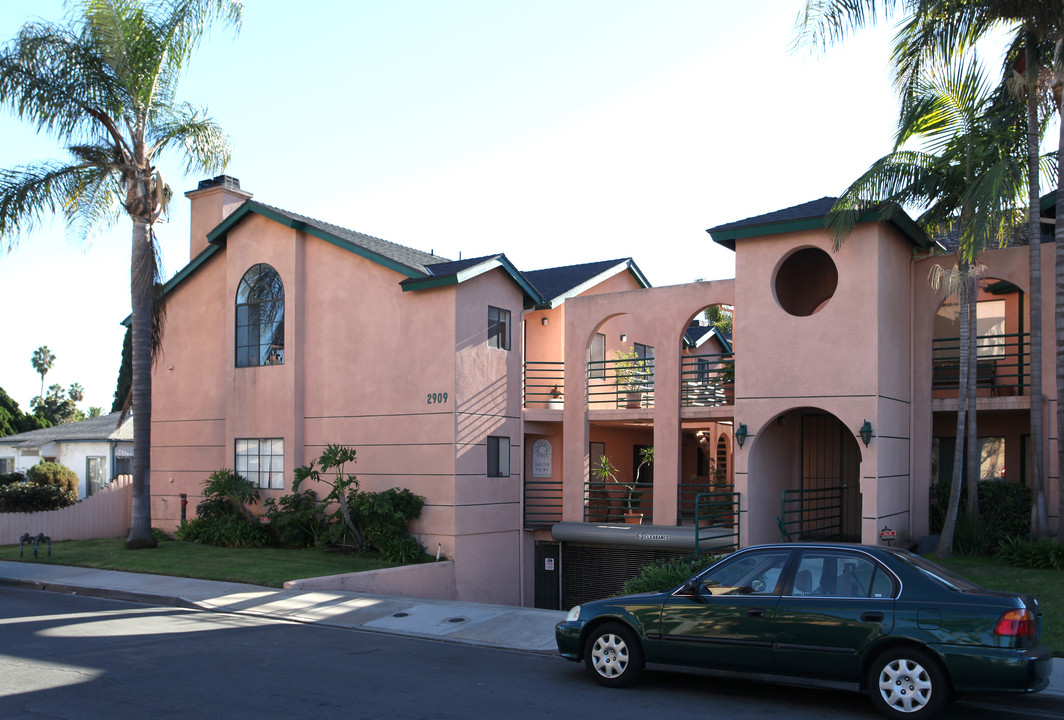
(433, 581)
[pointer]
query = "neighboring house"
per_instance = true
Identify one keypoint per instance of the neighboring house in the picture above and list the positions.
(97, 450)
(494, 393)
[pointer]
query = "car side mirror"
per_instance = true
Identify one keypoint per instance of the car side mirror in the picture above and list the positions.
(692, 587)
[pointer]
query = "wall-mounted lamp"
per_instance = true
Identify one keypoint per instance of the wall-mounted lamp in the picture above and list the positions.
(543, 321)
(866, 433)
(740, 434)
(624, 337)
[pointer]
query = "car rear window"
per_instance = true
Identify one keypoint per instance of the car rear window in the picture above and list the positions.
(938, 573)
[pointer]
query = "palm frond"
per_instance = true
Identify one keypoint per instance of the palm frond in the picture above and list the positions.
(29, 192)
(205, 145)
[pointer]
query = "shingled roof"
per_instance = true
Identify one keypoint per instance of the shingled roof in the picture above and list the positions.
(407, 260)
(810, 216)
(98, 429)
(558, 284)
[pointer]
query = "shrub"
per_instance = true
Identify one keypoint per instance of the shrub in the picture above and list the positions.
(297, 519)
(1030, 552)
(1004, 510)
(222, 517)
(402, 550)
(226, 532)
(11, 478)
(27, 497)
(667, 574)
(50, 473)
(385, 516)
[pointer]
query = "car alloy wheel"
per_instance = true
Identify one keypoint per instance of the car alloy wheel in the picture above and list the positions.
(907, 683)
(613, 655)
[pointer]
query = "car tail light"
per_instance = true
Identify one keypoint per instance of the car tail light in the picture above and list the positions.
(1017, 623)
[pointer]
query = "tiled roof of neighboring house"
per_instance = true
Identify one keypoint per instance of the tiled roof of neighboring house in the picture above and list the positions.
(697, 334)
(557, 284)
(98, 429)
(810, 216)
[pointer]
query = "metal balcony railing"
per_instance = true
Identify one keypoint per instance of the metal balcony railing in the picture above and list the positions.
(1002, 364)
(620, 383)
(544, 383)
(707, 380)
(543, 502)
(616, 502)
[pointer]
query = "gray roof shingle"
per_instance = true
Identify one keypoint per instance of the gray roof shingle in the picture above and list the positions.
(103, 428)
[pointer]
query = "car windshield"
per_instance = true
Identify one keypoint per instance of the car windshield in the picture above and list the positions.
(937, 573)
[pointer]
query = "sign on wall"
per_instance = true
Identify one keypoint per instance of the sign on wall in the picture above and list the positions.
(542, 461)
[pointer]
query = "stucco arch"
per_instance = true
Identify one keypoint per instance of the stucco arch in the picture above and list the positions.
(801, 447)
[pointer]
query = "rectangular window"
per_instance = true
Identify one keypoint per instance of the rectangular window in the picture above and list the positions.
(498, 328)
(7, 465)
(261, 461)
(597, 365)
(498, 457)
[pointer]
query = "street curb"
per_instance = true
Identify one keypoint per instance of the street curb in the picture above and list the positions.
(104, 593)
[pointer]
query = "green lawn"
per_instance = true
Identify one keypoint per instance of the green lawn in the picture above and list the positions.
(1046, 585)
(260, 566)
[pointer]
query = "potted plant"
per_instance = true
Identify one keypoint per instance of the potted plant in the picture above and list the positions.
(646, 460)
(605, 473)
(555, 397)
(631, 373)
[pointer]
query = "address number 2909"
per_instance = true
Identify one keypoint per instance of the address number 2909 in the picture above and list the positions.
(436, 398)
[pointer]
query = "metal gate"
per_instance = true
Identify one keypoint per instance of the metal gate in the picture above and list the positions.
(828, 505)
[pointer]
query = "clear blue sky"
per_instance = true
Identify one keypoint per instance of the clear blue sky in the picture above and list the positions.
(556, 132)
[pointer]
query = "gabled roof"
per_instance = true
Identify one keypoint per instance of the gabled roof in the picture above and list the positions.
(422, 269)
(810, 216)
(98, 429)
(698, 334)
(457, 271)
(558, 284)
(402, 259)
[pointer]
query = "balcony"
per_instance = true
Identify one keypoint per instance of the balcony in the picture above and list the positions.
(1002, 366)
(707, 380)
(544, 383)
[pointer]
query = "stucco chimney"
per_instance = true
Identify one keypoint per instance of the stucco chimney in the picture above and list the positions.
(212, 201)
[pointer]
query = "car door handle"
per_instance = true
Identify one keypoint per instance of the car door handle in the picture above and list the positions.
(872, 617)
(756, 612)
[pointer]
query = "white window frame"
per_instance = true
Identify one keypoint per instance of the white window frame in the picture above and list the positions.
(260, 460)
(498, 456)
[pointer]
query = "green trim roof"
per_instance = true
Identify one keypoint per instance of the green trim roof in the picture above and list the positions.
(811, 216)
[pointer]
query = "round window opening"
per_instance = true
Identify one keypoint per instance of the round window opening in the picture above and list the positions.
(806, 281)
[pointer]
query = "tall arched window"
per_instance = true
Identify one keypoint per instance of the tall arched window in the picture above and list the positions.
(260, 318)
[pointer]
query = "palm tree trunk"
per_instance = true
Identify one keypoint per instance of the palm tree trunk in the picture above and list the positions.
(1058, 234)
(1039, 520)
(949, 524)
(142, 277)
(972, 445)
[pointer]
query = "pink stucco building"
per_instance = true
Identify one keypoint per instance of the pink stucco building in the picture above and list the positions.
(494, 393)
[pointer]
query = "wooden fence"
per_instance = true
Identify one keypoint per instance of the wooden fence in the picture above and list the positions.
(103, 515)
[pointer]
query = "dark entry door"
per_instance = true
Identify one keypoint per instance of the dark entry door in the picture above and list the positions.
(831, 466)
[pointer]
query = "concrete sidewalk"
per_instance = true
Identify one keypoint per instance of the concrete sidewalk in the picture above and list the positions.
(498, 626)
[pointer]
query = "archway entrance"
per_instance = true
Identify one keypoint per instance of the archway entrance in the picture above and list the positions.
(831, 479)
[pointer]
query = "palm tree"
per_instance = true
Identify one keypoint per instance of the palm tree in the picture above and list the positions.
(967, 178)
(937, 28)
(42, 360)
(105, 85)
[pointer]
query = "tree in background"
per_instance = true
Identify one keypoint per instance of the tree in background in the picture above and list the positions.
(105, 85)
(57, 407)
(125, 374)
(13, 421)
(42, 361)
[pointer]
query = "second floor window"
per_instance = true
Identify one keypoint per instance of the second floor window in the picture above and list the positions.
(260, 318)
(498, 328)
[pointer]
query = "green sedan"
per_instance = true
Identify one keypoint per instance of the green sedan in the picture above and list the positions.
(905, 630)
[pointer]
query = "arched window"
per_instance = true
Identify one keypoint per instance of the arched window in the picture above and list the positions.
(260, 318)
